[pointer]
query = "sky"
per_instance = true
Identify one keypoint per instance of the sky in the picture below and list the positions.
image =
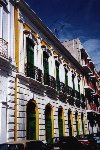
(70, 19)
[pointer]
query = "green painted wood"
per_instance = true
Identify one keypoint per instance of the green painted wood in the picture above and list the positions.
(45, 63)
(60, 125)
(57, 71)
(83, 126)
(31, 126)
(70, 127)
(66, 79)
(77, 128)
(30, 57)
(48, 124)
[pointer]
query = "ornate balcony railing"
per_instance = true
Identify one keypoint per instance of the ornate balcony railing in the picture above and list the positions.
(35, 73)
(77, 95)
(3, 48)
(77, 102)
(49, 80)
(82, 103)
(82, 97)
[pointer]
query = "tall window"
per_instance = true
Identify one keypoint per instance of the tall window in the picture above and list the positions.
(30, 57)
(46, 67)
(66, 77)
(57, 71)
(73, 81)
(48, 122)
(69, 122)
(57, 75)
(60, 121)
(82, 119)
(79, 87)
(76, 118)
(31, 121)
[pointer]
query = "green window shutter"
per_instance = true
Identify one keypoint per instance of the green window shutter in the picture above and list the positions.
(31, 126)
(83, 126)
(60, 125)
(48, 125)
(73, 83)
(46, 68)
(30, 57)
(70, 127)
(66, 77)
(45, 63)
(57, 71)
(77, 127)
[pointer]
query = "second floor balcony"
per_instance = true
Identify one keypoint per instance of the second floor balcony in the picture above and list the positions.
(3, 48)
(53, 86)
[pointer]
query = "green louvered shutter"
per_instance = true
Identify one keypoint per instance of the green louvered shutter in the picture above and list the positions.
(30, 58)
(57, 71)
(46, 68)
(57, 75)
(77, 127)
(48, 124)
(31, 126)
(48, 129)
(60, 125)
(66, 78)
(70, 127)
(83, 126)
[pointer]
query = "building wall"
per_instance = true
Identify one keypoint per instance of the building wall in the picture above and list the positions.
(74, 46)
(18, 89)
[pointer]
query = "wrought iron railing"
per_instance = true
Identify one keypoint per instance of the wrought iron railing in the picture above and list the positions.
(34, 72)
(3, 48)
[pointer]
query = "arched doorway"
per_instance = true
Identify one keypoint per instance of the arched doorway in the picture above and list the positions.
(70, 122)
(77, 122)
(32, 121)
(82, 120)
(48, 122)
(60, 121)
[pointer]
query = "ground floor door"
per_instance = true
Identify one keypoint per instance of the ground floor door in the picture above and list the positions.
(48, 123)
(31, 121)
(60, 121)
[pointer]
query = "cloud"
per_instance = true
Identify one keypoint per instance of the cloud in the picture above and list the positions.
(66, 31)
(93, 48)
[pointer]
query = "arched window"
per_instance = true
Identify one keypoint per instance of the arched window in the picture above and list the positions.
(48, 122)
(32, 126)
(60, 121)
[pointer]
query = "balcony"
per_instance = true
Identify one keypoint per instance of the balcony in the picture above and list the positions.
(86, 66)
(83, 105)
(77, 95)
(3, 48)
(77, 103)
(35, 73)
(49, 80)
(89, 87)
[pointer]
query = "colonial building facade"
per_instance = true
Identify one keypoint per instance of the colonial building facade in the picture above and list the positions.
(45, 91)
